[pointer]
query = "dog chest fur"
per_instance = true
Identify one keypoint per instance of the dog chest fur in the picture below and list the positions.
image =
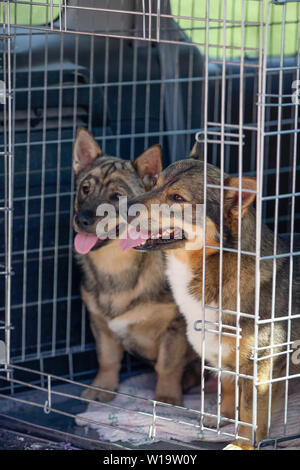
(119, 325)
(180, 275)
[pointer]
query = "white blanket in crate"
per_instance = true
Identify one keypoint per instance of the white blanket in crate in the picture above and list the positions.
(128, 419)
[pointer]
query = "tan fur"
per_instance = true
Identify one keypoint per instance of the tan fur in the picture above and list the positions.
(186, 178)
(126, 293)
(113, 260)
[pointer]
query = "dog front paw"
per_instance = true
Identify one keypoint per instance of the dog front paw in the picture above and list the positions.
(107, 382)
(176, 400)
(209, 422)
(212, 422)
(98, 395)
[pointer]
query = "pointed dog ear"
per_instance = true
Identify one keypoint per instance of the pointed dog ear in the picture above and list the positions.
(197, 151)
(231, 196)
(85, 150)
(149, 164)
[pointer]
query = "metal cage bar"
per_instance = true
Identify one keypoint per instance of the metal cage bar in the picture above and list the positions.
(7, 157)
(136, 73)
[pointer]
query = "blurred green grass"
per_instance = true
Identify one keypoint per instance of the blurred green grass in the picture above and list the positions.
(31, 14)
(195, 30)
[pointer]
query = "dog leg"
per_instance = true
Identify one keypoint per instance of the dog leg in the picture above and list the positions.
(192, 373)
(109, 354)
(246, 402)
(227, 405)
(159, 338)
(169, 367)
(246, 410)
(228, 399)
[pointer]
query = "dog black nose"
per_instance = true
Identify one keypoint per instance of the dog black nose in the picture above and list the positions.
(84, 219)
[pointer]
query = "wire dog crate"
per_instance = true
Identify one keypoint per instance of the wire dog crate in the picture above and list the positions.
(135, 73)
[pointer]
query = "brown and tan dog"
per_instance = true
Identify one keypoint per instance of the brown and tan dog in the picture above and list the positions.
(183, 183)
(130, 304)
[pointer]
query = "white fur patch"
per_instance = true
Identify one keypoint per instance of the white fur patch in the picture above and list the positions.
(180, 276)
(119, 326)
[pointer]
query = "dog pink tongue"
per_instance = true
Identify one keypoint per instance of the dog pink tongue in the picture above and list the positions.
(84, 242)
(131, 241)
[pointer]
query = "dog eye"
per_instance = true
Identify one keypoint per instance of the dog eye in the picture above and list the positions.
(154, 181)
(85, 188)
(176, 198)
